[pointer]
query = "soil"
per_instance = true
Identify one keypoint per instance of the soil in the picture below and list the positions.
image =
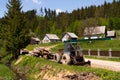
(64, 75)
(83, 76)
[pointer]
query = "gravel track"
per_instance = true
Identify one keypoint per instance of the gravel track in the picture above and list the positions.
(110, 65)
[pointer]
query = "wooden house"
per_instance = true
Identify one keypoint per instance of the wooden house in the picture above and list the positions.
(95, 32)
(50, 38)
(69, 36)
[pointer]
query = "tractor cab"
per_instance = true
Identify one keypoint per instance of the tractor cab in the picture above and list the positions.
(71, 47)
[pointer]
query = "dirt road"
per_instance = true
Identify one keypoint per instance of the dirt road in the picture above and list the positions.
(110, 65)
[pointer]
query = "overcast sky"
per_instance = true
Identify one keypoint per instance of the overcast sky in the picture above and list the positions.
(58, 5)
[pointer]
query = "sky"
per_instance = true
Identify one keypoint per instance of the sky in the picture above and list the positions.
(58, 5)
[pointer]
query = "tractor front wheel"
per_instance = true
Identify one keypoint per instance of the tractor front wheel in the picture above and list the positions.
(65, 59)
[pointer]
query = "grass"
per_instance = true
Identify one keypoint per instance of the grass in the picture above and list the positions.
(6, 73)
(59, 46)
(34, 64)
(31, 47)
(101, 58)
(102, 45)
(85, 45)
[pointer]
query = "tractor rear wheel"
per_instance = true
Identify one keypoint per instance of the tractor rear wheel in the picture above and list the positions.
(65, 59)
(56, 57)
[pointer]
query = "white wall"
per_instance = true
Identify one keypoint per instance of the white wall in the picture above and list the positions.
(93, 37)
(46, 40)
(66, 37)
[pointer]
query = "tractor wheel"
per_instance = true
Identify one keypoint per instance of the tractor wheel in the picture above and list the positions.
(56, 57)
(65, 59)
(45, 56)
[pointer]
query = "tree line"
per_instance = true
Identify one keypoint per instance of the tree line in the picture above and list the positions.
(48, 21)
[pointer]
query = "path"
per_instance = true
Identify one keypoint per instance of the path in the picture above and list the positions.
(110, 65)
(49, 47)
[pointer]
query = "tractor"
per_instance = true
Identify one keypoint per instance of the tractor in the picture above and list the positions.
(71, 54)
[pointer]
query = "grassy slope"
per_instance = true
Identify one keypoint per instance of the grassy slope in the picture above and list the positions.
(94, 45)
(103, 45)
(6, 73)
(31, 47)
(33, 66)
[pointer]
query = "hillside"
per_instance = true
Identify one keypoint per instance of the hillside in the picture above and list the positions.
(33, 68)
(102, 45)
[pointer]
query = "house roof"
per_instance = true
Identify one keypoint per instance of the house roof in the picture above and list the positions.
(72, 35)
(35, 38)
(94, 30)
(110, 33)
(52, 36)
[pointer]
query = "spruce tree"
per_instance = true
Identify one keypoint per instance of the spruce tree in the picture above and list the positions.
(16, 34)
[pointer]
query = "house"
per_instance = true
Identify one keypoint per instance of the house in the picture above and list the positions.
(35, 40)
(50, 38)
(111, 34)
(95, 32)
(69, 36)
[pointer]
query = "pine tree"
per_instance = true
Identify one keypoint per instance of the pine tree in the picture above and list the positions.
(16, 34)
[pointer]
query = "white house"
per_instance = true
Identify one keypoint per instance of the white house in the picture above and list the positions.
(50, 38)
(111, 34)
(68, 36)
(95, 32)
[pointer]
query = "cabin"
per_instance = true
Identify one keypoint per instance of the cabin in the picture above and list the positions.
(35, 40)
(50, 38)
(69, 36)
(111, 34)
(95, 32)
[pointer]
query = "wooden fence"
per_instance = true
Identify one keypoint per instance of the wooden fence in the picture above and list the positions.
(98, 52)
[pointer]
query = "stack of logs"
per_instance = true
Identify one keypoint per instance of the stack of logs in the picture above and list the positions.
(38, 52)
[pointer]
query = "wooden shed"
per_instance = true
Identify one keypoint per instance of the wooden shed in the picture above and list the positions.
(35, 40)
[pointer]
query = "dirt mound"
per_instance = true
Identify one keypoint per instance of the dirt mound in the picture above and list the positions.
(83, 76)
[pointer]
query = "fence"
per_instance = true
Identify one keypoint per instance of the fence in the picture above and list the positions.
(98, 52)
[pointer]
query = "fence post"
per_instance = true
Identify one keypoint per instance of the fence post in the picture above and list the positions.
(98, 52)
(110, 52)
(89, 52)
